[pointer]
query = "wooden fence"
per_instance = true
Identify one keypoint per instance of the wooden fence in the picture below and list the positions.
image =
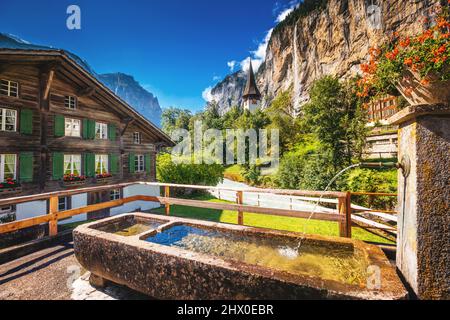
(375, 219)
(342, 214)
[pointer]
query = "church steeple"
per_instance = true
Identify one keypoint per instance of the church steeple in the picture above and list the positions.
(251, 94)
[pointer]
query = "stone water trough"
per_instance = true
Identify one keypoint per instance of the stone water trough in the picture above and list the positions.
(174, 258)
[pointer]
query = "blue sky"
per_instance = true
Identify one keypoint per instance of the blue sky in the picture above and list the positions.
(174, 48)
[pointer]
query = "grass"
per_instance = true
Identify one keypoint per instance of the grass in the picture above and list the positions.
(73, 225)
(234, 173)
(325, 228)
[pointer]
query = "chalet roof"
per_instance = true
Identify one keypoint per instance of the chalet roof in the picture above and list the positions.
(46, 55)
(251, 89)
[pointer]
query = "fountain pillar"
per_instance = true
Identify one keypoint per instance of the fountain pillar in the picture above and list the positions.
(423, 243)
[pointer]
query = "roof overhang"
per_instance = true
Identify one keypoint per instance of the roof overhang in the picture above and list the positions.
(65, 61)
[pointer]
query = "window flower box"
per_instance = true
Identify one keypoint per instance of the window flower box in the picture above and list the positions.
(10, 187)
(103, 178)
(70, 181)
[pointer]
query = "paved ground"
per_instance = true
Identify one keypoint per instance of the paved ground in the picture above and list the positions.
(54, 274)
(43, 275)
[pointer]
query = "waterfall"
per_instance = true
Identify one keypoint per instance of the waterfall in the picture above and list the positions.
(297, 86)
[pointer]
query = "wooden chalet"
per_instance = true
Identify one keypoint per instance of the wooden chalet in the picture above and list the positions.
(61, 128)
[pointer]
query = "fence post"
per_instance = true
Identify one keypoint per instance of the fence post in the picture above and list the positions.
(53, 223)
(348, 213)
(167, 195)
(344, 209)
(239, 200)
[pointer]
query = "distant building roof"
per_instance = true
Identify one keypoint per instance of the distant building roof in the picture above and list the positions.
(251, 89)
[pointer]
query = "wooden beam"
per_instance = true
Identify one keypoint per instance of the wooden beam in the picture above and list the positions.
(167, 195)
(51, 75)
(50, 218)
(53, 211)
(240, 201)
(250, 209)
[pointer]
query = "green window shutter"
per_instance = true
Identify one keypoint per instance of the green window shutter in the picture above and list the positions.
(89, 164)
(59, 126)
(26, 167)
(85, 129)
(112, 132)
(131, 159)
(58, 165)
(148, 163)
(114, 165)
(26, 121)
(91, 129)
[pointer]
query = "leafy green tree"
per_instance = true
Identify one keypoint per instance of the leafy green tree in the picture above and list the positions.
(175, 118)
(334, 115)
(280, 114)
(229, 118)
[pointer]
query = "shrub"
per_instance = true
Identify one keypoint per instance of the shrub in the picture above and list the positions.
(193, 174)
(366, 180)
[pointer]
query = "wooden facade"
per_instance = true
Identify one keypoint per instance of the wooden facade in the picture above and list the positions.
(43, 109)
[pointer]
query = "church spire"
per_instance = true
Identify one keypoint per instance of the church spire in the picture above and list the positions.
(251, 95)
(251, 89)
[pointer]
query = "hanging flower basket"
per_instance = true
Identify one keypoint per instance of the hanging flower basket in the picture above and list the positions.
(417, 67)
(10, 187)
(417, 91)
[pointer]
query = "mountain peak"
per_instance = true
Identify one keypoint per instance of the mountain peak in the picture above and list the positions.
(126, 87)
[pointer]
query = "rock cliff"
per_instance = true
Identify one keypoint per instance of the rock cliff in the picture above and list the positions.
(332, 39)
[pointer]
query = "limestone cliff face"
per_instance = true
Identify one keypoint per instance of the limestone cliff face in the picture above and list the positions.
(228, 92)
(334, 40)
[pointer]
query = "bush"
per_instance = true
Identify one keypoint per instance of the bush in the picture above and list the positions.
(308, 167)
(193, 174)
(366, 180)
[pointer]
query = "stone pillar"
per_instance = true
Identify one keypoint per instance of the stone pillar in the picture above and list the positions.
(423, 243)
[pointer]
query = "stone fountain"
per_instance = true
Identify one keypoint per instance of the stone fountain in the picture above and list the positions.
(423, 244)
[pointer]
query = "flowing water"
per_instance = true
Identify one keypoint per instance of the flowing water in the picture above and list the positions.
(330, 262)
(320, 199)
(297, 87)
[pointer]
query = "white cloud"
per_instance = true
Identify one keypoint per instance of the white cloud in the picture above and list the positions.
(259, 55)
(231, 64)
(208, 96)
(283, 14)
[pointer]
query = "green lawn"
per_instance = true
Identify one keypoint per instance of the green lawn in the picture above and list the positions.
(234, 173)
(325, 228)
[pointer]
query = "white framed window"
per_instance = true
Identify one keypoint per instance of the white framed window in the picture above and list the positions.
(9, 88)
(63, 203)
(7, 210)
(137, 138)
(139, 163)
(8, 166)
(101, 131)
(72, 127)
(114, 194)
(101, 163)
(70, 102)
(8, 120)
(72, 164)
